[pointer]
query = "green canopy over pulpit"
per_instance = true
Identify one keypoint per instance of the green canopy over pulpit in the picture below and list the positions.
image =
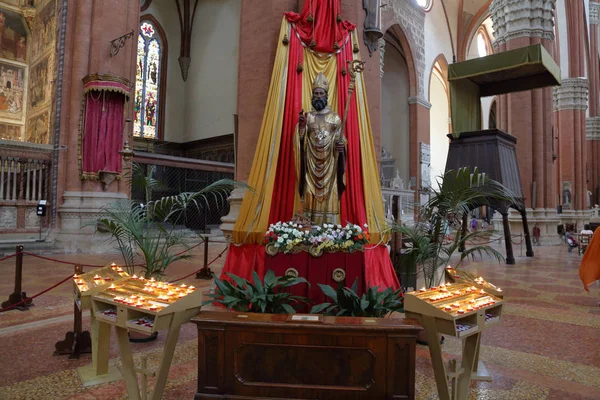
(525, 68)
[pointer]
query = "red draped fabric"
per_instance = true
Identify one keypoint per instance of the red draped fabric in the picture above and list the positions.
(242, 260)
(282, 209)
(352, 202)
(379, 270)
(103, 129)
(324, 29)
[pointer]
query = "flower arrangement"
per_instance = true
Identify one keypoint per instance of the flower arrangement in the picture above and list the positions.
(291, 236)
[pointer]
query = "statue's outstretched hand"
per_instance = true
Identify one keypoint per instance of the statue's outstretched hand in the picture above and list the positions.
(302, 119)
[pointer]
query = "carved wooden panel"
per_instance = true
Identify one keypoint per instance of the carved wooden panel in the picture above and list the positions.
(265, 356)
(303, 366)
(211, 361)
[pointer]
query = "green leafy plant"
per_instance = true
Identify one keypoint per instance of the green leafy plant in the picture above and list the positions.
(458, 193)
(268, 296)
(148, 232)
(373, 303)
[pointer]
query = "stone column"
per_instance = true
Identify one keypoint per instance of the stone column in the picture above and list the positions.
(90, 26)
(419, 127)
(593, 142)
(528, 115)
(570, 103)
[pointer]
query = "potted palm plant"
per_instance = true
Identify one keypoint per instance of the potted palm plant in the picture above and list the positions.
(148, 232)
(429, 242)
(146, 235)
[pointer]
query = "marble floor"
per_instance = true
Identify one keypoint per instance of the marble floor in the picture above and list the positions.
(546, 346)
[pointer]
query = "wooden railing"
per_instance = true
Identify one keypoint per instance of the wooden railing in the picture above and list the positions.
(24, 179)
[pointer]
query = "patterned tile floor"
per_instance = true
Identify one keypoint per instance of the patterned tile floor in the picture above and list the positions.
(546, 347)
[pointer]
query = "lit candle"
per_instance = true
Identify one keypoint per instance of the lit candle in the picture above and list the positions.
(153, 308)
(469, 308)
(499, 289)
(96, 277)
(112, 286)
(433, 288)
(482, 291)
(457, 304)
(134, 276)
(180, 295)
(138, 304)
(193, 288)
(460, 311)
(151, 279)
(448, 267)
(447, 308)
(183, 285)
(422, 289)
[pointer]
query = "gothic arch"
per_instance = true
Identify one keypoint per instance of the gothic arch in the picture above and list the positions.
(398, 39)
(482, 14)
(162, 85)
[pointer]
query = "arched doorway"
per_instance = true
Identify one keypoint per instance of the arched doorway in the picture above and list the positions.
(395, 112)
(439, 118)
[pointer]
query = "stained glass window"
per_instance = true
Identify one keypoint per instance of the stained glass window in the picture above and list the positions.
(147, 81)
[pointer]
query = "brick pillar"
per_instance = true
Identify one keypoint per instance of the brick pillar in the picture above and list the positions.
(528, 115)
(593, 142)
(90, 26)
(419, 127)
(570, 103)
(593, 138)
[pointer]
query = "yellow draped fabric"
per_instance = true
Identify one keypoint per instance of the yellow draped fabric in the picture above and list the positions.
(312, 66)
(371, 184)
(253, 218)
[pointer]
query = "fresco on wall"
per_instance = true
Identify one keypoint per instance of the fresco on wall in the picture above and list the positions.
(38, 128)
(43, 30)
(39, 89)
(13, 36)
(10, 132)
(12, 87)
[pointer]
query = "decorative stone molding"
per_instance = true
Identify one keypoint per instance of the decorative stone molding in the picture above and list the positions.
(592, 128)
(517, 18)
(82, 208)
(419, 101)
(235, 204)
(381, 57)
(594, 12)
(411, 18)
(571, 95)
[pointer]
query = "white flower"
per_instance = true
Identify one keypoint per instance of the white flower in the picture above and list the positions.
(285, 235)
(299, 226)
(339, 226)
(366, 226)
(280, 239)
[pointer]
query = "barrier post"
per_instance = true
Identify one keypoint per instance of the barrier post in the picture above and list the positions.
(76, 341)
(18, 295)
(205, 272)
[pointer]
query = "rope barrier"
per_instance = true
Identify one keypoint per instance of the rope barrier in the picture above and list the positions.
(7, 257)
(37, 295)
(60, 261)
(206, 266)
(28, 299)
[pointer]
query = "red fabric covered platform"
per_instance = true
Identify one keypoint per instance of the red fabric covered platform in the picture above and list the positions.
(373, 267)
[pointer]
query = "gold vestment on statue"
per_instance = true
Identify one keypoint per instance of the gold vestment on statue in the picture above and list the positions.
(317, 169)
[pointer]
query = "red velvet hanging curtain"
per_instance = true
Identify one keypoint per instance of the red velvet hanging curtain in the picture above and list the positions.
(103, 130)
(282, 209)
(327, 31)
(352, 202)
